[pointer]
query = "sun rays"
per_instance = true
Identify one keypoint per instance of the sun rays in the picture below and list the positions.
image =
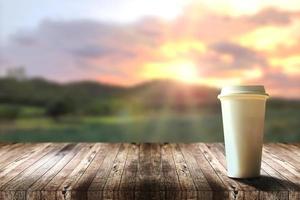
(183, 71)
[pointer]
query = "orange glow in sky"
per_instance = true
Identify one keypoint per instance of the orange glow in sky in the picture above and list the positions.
(213, 43)
(184, 71)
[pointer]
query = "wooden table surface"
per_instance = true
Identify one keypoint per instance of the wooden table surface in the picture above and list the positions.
(141, 171)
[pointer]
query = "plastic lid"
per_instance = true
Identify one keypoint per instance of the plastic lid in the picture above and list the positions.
(243, 89)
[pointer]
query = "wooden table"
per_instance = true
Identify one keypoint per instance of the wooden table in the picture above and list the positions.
(141, 171)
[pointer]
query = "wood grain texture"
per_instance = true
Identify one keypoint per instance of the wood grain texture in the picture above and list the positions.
(141, 171)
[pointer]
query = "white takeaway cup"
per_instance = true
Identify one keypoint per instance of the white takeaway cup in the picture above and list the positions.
(243, 113)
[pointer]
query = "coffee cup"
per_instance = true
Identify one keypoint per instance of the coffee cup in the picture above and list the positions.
(243, 114)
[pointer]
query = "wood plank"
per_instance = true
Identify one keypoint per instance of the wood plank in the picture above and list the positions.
(95, 190)
(186, 182)
(34, 192)
(280, 167)
(86, 179)
(128, 181)
(156, 171)
(294, 151)
(294, 190)
(5, 169)
(297, 145)
(142, 171)
(219, 189)
(169, 176)
(2, 144)
(65, 189)
(268, 187)
(215, 159)
(148, 179)
(13, 151)
(21, 155)
(291, 157)
(6, 177)
(204, 190)
(19, 181)
(53, 186)
(27, 149)
(280, 159)
(254, 184)
(25, 178)
(292, 148)
(39, 172)
(144, 177)
(5, 147)
(115, 176)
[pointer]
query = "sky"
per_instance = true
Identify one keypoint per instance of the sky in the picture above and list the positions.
(125, 42)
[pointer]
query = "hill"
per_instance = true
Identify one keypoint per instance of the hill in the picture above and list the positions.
(41, 92)
(172, 94)
(98, 98)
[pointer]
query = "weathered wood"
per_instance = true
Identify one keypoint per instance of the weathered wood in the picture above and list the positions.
(7, 150)
(141, 171)
(169, 176)
(9, 175)
(128, 181)
(219, 189)
(18, 155)
(13, 152)
(289, 156)
(80, 188)
(26, 177)
(95, 190)
(203, 188)
(34, 192)
(218, 163)
(156, 170)
(281, 160)
(148, 174)
(67, 186)
(115, 176)
(185, 180)
(53, 187)
(269, 187)
(23, 159)
(292, 187)
(30, 166)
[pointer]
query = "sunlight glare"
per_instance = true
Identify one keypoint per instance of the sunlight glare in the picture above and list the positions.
(184, 71)
(173, 49)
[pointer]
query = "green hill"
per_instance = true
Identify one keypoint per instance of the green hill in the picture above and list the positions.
(90, 97)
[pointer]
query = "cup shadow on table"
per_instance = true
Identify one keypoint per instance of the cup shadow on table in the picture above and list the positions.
(268, 183)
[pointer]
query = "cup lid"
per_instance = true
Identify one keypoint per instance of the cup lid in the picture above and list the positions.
(243, 89)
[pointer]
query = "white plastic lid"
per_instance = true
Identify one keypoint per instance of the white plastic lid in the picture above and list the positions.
(243, 89)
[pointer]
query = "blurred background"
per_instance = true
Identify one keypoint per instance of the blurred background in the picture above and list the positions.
(128, 70)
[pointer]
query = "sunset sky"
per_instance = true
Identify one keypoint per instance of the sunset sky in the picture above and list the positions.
(126, 42)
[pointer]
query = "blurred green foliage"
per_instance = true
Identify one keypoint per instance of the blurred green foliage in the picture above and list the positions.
(59, 108)
(9, 112)
(157, 111)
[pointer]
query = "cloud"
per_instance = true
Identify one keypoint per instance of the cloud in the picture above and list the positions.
(198, 22)
(87, 49)
(83, 49)
(279, 83)
(272, 16)
(242, 57)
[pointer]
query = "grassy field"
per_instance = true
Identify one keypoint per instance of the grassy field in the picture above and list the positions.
(281, 125)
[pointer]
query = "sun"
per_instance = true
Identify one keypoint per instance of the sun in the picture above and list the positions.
(184, 71)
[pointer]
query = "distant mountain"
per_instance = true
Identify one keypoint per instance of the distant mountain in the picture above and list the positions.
(156, 94)
(161, 93)
(41, 92)
(34, 91)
